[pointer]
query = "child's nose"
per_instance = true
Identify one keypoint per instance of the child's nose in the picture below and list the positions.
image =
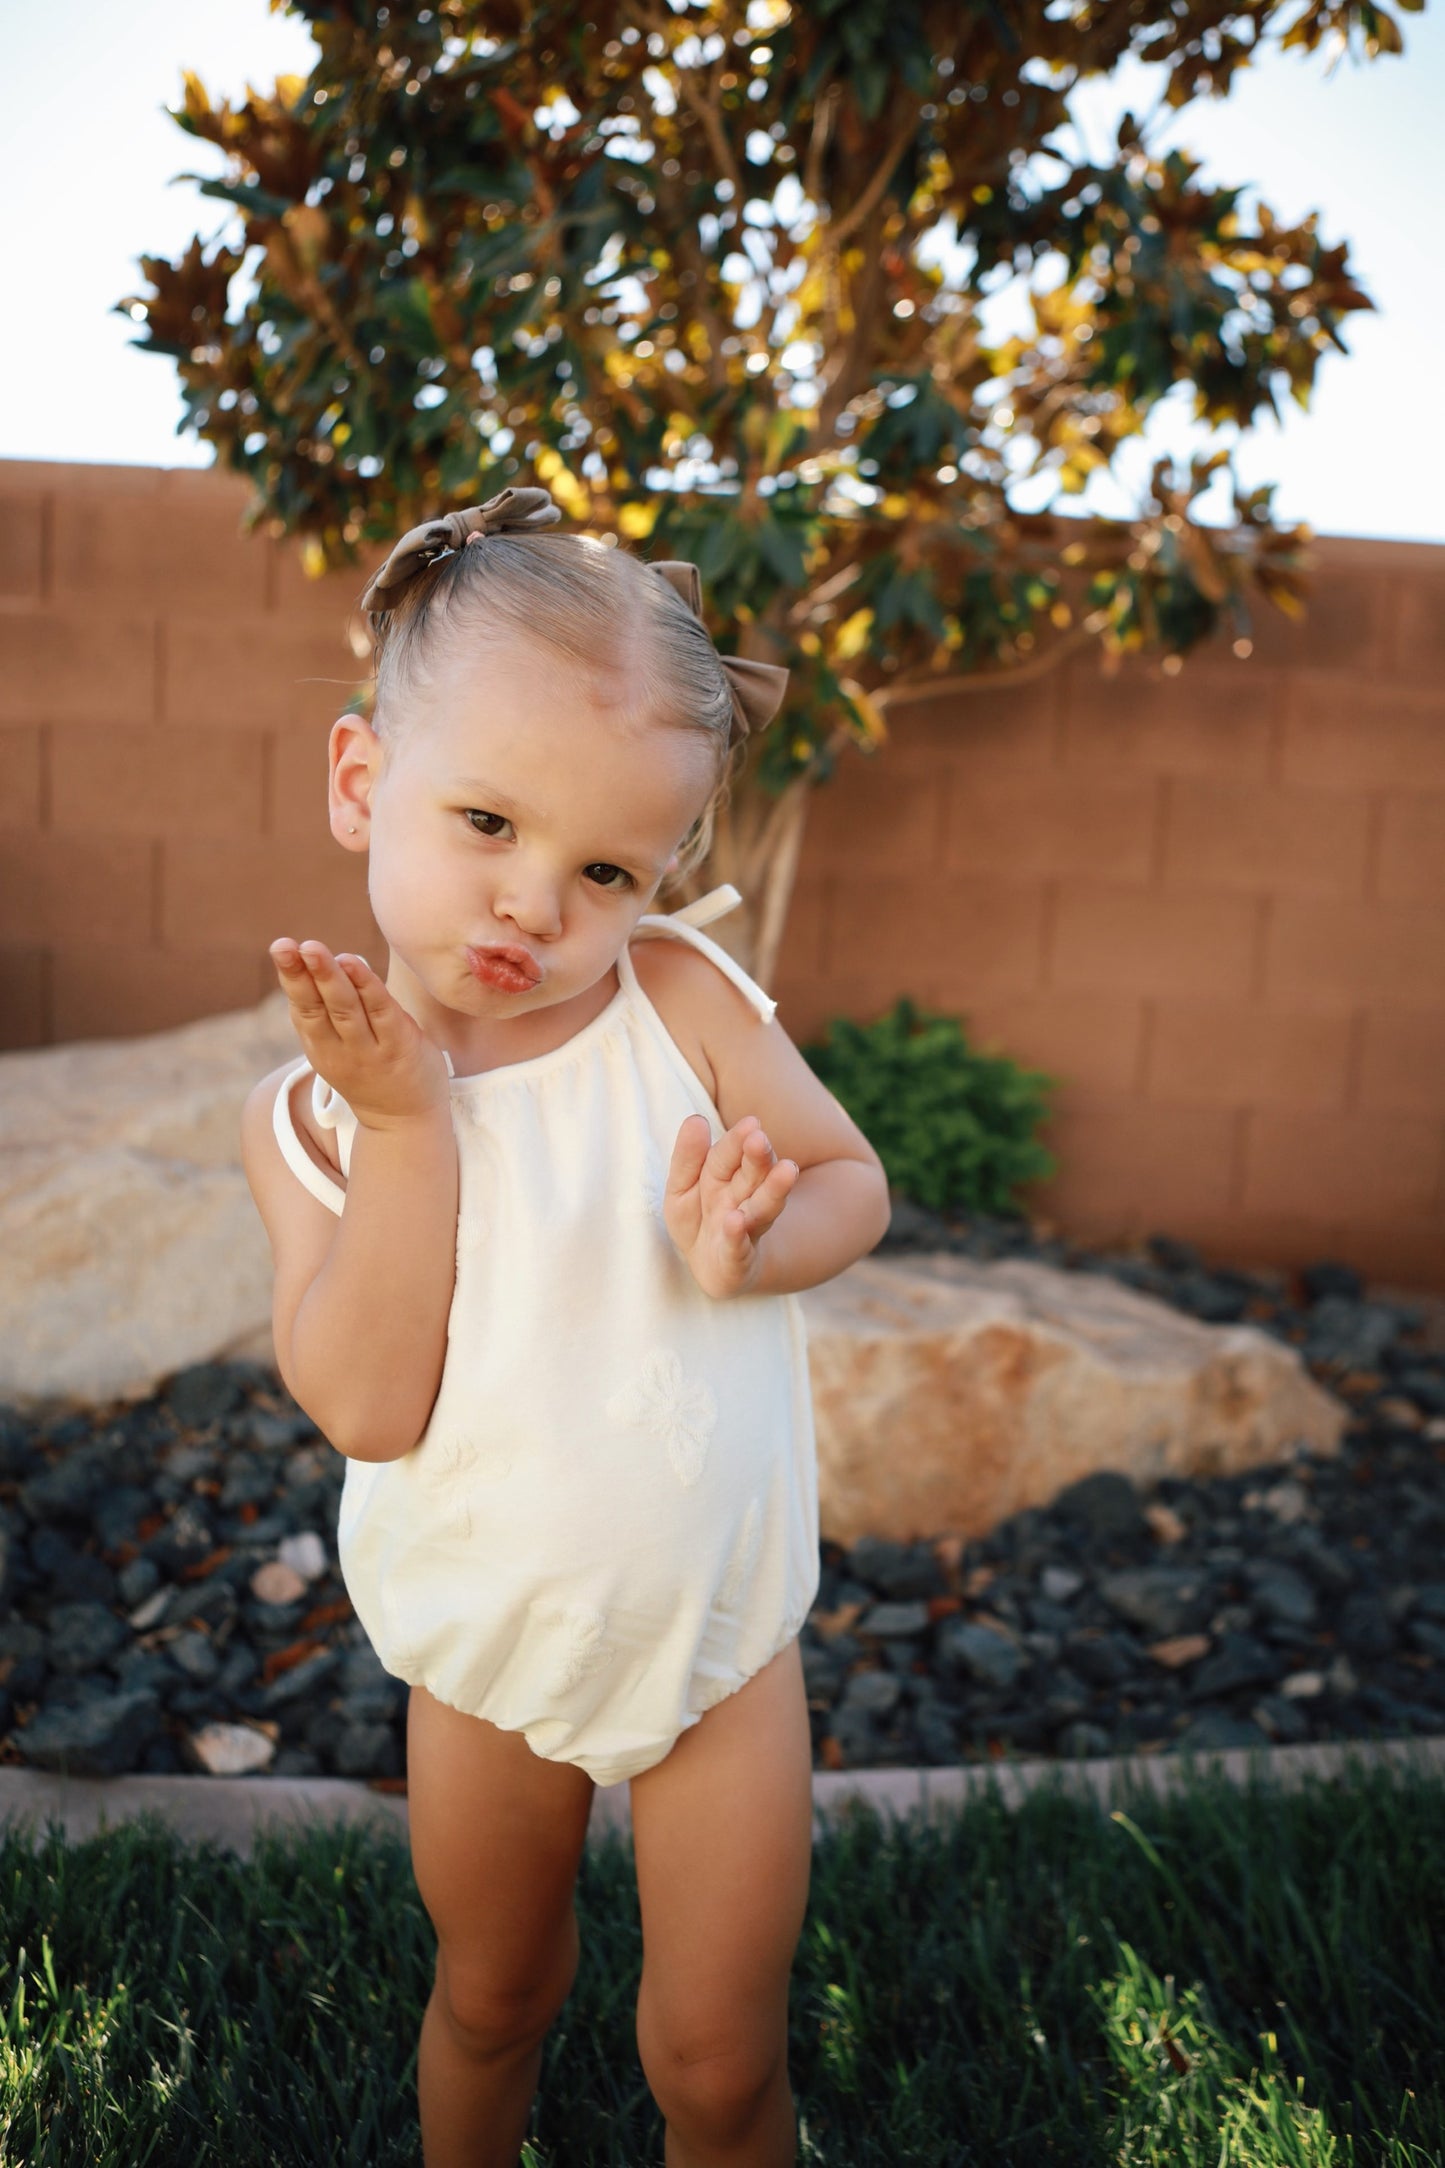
(532, 907)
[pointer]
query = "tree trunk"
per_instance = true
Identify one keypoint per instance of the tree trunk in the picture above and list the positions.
(757, 842)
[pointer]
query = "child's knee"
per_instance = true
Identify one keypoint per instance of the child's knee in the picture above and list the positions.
(495, 2010)
(710, 2083)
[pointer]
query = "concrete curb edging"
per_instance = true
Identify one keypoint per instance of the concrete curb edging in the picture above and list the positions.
(228, 1811)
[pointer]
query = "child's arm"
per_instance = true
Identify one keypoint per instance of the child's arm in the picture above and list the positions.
(794, 1192)
(361, 1300)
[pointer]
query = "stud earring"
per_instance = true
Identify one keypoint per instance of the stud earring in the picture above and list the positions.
(350, 830)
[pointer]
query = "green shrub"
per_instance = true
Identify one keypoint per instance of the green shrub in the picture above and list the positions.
(954, 1128)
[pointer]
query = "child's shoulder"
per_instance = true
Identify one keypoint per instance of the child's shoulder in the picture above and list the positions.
(703, 1011)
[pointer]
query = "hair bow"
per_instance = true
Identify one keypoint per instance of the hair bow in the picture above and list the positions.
(510, 511)
(757, 688)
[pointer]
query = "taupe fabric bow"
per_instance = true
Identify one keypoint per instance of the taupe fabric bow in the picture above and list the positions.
(757, 688)
(510, 511)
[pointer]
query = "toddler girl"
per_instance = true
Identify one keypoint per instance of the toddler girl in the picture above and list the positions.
(538, 1223)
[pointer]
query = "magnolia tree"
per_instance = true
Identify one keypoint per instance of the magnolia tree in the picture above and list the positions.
(714, 272)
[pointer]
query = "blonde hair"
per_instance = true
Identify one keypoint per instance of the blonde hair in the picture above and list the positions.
(590, 603)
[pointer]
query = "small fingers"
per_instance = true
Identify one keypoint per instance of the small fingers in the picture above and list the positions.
(689, 1153)
(758, 1211)
(726, 1156)
(317, 975)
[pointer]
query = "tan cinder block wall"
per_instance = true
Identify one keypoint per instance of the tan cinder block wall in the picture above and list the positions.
(1209, 905)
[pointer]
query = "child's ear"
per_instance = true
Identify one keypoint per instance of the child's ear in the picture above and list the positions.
(354, 759)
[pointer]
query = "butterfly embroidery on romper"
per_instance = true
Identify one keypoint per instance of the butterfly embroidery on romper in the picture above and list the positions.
(678, 1411)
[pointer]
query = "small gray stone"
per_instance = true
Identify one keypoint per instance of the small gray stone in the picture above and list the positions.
(239, 1668)
(141, 1578)
(1060, 1583)
(1281, 1593)
(852, 1728)
(1238, 1661)
(937, 1735)
(302, 1678)
(1283, 1721)
(296, 1761)
(250, 1484)
(65, 1490)
(1082, 1742)
(1106, 1504)
(83, 1635)
(1429, 1638)
(118, 1512)
(981, 1653)
(1105, 1659)
(900, 1570)
(1162, 1600)
(891, 1621)
(877, 1692)
(367, 1750)
(1215, 1729)
(101, 1738)
(823, 1673)
(196, 1657)
(1365, 1627)
(202, 1393)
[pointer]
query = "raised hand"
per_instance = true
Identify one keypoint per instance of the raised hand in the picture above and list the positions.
(358, 1036)
(721, 1199)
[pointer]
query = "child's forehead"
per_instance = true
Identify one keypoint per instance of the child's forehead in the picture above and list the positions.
(510, 686)
(556, 751)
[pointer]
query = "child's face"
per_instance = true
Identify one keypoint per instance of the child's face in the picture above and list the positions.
(517, 806)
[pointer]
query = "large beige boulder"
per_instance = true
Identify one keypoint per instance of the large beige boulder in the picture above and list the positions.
(129, 1243)
(949, 1394)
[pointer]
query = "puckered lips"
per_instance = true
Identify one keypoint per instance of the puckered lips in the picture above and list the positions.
(505, 964)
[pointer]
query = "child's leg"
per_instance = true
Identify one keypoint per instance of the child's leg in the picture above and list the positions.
(496, 1835)
(722, 1831)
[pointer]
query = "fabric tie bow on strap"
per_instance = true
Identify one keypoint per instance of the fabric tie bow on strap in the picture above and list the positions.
(757, 688)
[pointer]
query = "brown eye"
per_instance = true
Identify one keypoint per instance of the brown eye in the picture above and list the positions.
(624, 878)
(473, 816)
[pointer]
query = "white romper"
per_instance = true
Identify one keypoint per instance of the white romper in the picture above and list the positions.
(610, 1521)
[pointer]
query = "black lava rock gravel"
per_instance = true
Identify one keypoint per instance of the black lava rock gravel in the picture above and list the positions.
(1300, 1602)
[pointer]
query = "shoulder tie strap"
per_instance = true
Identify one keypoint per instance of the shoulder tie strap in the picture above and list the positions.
(684, 923)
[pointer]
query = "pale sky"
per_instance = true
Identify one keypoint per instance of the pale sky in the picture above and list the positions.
(87, 152)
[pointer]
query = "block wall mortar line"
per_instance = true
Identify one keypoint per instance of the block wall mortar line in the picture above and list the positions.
(47, 550)
(1374, 845)
(1145, 1059)
(1355, 1062)
(1058, 725)
(1274, 751)
(1259, 962)
(47, 776)
(1159, 839)
(1239, 1155)
(943, 816)
(1048, 932)
(1393, 637)
(825, 924)
(157, 891)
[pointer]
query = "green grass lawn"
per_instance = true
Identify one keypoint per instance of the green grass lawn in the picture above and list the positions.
(1219, 1979)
